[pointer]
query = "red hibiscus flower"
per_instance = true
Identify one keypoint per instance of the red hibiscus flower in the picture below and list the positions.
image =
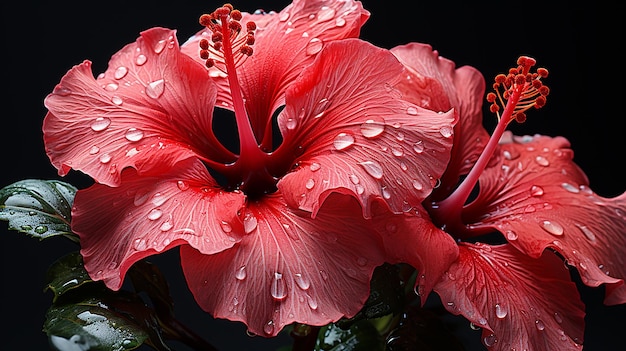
(329, 163)
(519, 207)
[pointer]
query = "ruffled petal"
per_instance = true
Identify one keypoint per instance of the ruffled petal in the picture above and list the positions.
(149, 110)
(538, 198)
(146, 215)
(413, 238)
(285, 42)
(290, 267)
(356, 135)
(433, 83)
(522, 303)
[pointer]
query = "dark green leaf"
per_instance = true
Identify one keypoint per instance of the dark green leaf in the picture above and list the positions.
(361, 336)
(41, 208)
(91, 325)
(386, 296)
(65, 274)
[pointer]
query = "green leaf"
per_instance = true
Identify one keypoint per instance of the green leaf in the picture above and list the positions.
(41, 208)
(65, 274)
(361, 336)
(421, 329)
(91, 325)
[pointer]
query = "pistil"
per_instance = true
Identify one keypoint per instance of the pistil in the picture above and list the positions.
(517, 91)
(228, 49)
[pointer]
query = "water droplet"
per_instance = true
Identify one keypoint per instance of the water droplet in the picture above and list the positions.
(536, 190)
(361, 261)
(105, 158)
(340, 22)
(326, 13)
(385, 192)
(490, 340)
(166, 226)
(373, 168)
(343, 141)
(315, 166)
(141, 59)
(140, 244)
(120, 72)
(278, 288)
(310, 184)
(542, 161)
(397, 151)
(268, 328)
(311, 301)
(111, 87)
(226, 227)
(100, 124)
(182, 185)
(320, 108)
(94, 150)
(140, 198)
(116, 100)
(552, 227)
(446, 131)
(511, 235)
(40, 229)
(569, 187)
(539, 324)
(158, 199)
(155, 89)
(372, 128)
(249, 223)
(501, 312)
(587, 232)
(240, 274)
(411, 110)
(160, 45)
(418, 147)
(155, 214)
(134, 134)
(302, 282)
(314, 46)
(558, 318)
(291, 123)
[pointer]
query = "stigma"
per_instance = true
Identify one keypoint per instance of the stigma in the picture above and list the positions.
(228, 44)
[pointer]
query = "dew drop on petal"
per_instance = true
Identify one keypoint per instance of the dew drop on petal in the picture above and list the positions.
(120, 72)
(418, 147)
(278, 288)
(105, 158)
(417, 185)
(160, 45)
(182, 185)
(490, 340)
(111, 87)
(326, 13)
(134, 134)
(552, 227)
(291, 124)
(536, 190)
(249, 223)
(569, 187)
(302, 282)
(311, 301)
(315, 166)
(268, 328)
(587, 232)
(155, 89)
(343, 141)
(373, 168)
(226, 227)
(539, 324)
(501, 312)
(240, 273)
(411, 110)
(511, 235)
(141, 59)
(166, 226)
(100, 124)
(314, 46)
(558, 318)
(446, 131)
(340, 22)
(372, 129)
(310, 184)
(155, 214)
(542, 161)
(140, 244)
(94, 150)
(116, 100)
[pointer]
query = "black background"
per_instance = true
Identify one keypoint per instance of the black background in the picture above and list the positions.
(580, 44)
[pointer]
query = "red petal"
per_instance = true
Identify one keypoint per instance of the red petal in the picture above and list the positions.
(434, 83)
(356, 133)
(145, 215)
(285, 42)
(150, 109)
(413, 239)
(522, 303)
(538, 198)
(290, 268)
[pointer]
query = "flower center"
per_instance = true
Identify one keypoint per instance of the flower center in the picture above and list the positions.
(226, 51)
(515, 93)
